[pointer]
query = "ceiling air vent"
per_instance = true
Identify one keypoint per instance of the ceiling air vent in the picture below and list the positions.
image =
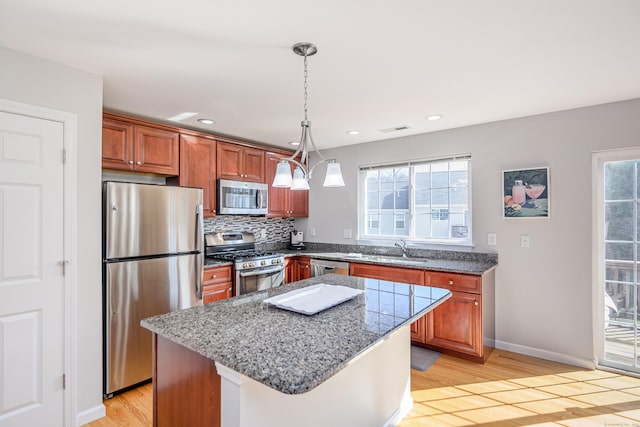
(395, 129)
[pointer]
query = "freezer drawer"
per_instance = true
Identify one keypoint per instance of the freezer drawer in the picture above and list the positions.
(135, 290)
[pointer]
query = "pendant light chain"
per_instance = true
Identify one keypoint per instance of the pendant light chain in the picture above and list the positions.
(306, 75)
(300, 158)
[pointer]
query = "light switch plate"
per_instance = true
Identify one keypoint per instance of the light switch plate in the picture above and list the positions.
(524, 241)
(491, 239)
(313, 232)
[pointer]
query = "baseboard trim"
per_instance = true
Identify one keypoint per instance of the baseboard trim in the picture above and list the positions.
(91, 414)
(547, 355)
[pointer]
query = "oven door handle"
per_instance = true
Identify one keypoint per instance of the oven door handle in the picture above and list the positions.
(260, 272)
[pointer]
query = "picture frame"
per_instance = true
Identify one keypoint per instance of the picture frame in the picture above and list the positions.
(525, 193)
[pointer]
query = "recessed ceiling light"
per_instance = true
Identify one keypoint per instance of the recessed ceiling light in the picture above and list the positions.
(434, 117)
(206, 121)
(294, 143)
(353, 132)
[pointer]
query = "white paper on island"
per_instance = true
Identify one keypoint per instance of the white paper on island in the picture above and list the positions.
(313, 299)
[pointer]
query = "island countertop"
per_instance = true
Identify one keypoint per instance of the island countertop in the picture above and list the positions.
(291, 352)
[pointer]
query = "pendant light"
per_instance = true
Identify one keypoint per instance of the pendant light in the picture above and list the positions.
(302, 169)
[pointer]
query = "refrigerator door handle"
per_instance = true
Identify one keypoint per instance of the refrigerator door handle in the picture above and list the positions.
(199, 271)
(199, 237)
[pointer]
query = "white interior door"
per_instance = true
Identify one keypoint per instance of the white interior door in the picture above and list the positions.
(31, 276)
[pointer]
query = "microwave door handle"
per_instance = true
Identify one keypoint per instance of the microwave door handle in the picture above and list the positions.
(259, 272)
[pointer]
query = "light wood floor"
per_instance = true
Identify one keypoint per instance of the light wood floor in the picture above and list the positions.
(509, 390)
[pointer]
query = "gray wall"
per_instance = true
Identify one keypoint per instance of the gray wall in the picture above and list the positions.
(544, 292)
(34, 81)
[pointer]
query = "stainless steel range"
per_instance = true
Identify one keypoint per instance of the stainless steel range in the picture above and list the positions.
(254, 270)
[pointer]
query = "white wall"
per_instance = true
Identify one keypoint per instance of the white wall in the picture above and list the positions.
(34, 81)
(544, 292)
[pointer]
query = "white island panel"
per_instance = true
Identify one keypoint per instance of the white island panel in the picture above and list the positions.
(372, 390)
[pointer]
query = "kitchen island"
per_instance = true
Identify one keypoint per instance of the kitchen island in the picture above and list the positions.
(241, 362)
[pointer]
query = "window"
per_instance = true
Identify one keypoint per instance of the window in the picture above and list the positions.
(421, 201)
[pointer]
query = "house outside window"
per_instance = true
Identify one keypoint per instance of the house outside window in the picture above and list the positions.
(428, 200)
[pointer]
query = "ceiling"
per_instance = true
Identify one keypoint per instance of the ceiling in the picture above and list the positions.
(381, 63)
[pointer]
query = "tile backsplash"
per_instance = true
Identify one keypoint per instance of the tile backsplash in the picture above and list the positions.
(277, 229)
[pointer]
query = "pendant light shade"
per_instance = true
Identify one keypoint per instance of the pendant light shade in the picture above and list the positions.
(299, 181)
(333, 178)
(283, 175)
(300, 159)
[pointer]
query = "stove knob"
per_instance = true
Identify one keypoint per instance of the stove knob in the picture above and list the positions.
(274, 261)
(263, 262)
(252, 264)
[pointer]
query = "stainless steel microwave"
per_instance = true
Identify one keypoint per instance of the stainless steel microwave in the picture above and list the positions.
(242, 198)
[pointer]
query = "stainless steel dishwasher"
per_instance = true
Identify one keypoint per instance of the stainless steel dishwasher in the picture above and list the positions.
(321, 266)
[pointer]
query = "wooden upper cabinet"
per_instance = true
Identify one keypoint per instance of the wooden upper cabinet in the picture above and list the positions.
(198, 169)
(135, 147)
(157, 150)
(117, 145)
(240, 163)
(283, 202)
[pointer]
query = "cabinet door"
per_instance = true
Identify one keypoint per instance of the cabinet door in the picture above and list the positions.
(198, 169)
(290, 270)
(395, 274)
(298, 203)
(156, 151)
(229, 161)
(457, 324)
(117, 145)
(278, 197)
(418, 330)
(304, 266)
(253, 165)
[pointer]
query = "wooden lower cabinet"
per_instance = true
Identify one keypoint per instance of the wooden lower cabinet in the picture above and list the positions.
(456, 325)
(297, 268)
(186, 387)
(217, 284)
(461, 323)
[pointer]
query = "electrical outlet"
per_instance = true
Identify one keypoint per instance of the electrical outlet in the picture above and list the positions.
(347, 233)
(491, 239)
(524, 241)
(313, 232)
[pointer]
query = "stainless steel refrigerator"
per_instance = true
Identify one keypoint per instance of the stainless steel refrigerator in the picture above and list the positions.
(153, 259)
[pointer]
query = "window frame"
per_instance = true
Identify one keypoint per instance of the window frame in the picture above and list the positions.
(382, 239)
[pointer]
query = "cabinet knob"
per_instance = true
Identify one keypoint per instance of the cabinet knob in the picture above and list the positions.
(214, 276)
(451, 282)
(130, 162)
(475, 302)
(138, 163)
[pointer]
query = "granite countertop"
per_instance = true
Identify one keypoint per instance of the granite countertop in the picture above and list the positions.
(290, 352)
(213, 262)
(464, 266)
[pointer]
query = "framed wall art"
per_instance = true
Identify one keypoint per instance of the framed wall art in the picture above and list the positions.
(525, 193)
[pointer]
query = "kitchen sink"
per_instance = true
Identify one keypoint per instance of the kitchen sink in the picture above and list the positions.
(393, 260)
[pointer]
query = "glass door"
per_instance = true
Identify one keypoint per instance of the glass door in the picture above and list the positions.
(618, 213)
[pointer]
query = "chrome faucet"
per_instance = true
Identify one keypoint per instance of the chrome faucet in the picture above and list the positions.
(403, 247)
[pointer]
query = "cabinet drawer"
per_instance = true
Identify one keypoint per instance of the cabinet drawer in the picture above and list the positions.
(217, 274)
(454, 281)
(216, 292)
(394, 274)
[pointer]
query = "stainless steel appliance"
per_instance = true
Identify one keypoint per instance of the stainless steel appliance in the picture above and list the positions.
(321, 266)
(244, 198)
(297, 240)
(254, 270)
(153, 258)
